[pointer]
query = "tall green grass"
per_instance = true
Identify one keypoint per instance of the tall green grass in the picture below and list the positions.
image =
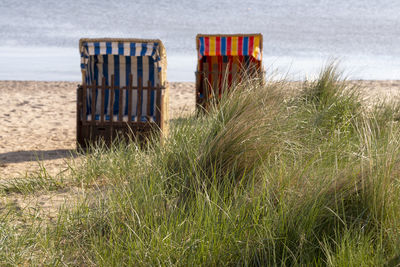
(259, 179)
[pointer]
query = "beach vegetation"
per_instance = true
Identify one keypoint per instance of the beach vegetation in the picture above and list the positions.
(261, 178)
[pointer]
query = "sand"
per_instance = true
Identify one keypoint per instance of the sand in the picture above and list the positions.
(38, 121)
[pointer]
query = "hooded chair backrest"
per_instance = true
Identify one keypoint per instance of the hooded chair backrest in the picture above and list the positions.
(222, 59)
(117, 61)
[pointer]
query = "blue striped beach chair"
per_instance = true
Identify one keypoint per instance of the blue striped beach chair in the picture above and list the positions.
(124, 90)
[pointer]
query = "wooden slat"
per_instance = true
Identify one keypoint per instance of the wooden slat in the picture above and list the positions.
(198, 84)
(234, 73)
(224, 77)
(158, 106)
(107, 123)
(149, 89)
(120, 102)
(209, 76)
(94, 102)
(112, 91)
(79, 117)
(214, 78)
(229, 68)
(130, 93)
(139, 99)
(220, 77)
(103, 96)
(241, 69)
(205, 84)
(84, 96)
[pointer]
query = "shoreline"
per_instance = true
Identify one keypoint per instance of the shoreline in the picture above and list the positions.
(38, 120)
(62, 64)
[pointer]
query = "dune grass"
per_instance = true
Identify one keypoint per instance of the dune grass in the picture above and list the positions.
(260, 179)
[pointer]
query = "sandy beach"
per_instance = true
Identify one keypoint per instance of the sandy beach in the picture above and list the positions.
(38, 120)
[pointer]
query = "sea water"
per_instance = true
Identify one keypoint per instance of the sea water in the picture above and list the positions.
(39, 38)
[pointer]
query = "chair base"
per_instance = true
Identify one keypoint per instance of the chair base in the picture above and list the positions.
(88, 135)
(90, 132)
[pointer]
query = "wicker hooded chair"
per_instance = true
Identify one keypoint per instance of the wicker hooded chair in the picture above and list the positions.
(223, 60)
(124, 90)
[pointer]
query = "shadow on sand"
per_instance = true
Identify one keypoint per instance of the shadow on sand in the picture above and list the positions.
(35, 155)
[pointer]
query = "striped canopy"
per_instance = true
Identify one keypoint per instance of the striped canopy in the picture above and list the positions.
(144, 60)
(121, 48)
(223, 59)
(230, 45)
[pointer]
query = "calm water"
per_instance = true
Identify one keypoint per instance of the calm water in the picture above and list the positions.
(39, 39)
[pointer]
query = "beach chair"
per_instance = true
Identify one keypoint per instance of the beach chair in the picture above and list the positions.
(124, 90)
(223, 60)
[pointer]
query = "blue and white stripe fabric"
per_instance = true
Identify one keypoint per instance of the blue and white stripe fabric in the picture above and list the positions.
(137, 49)
(121, 59)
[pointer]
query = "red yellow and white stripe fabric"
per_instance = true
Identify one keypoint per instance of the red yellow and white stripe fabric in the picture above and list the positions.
(241, 45)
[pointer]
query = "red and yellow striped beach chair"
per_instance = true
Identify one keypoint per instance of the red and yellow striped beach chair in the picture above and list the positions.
(223, 60)
(124, 89)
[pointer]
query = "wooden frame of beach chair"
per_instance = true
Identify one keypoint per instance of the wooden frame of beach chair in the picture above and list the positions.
(127, 78)
(223, 60)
